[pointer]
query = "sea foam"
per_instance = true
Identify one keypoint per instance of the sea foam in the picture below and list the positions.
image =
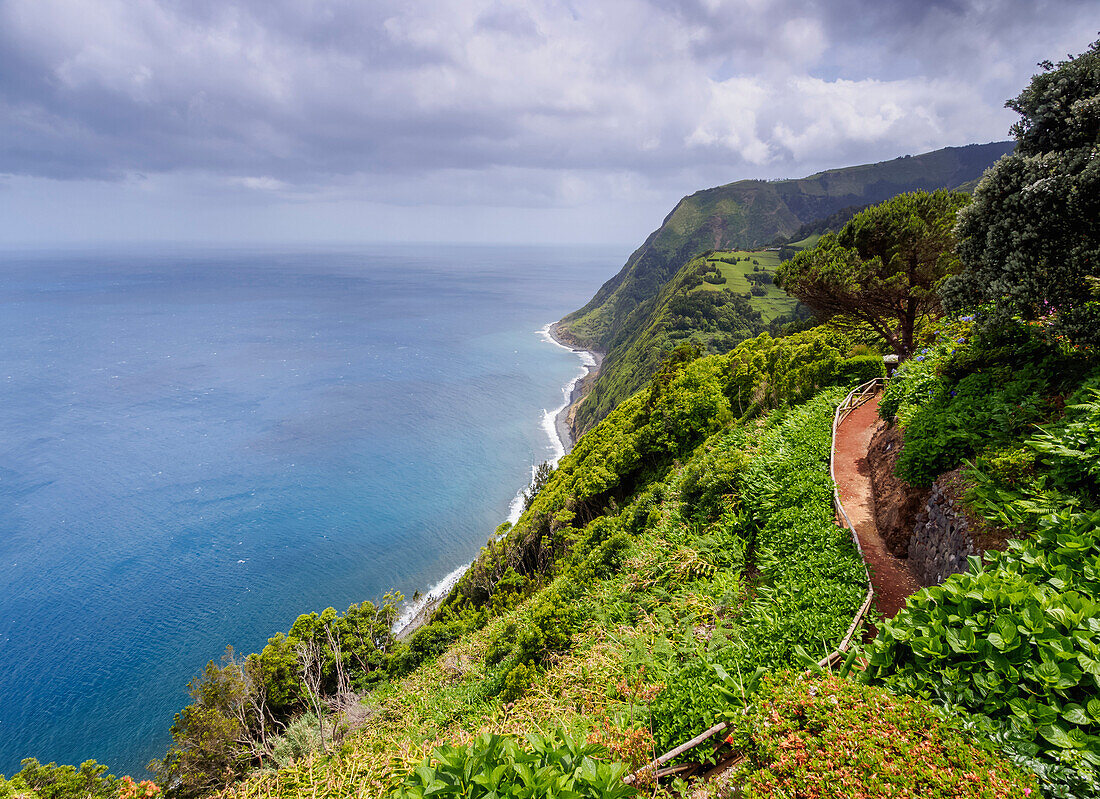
(515, 508)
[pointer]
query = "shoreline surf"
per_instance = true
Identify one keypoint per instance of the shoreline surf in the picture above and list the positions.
(555, 423)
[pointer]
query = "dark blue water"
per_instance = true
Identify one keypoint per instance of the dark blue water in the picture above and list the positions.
(196, 448)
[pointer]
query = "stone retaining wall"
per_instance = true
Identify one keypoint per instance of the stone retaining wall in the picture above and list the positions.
(941, 541)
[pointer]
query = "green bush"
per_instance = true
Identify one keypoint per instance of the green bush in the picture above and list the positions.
(434, 638)
(977, 389)
(988, 408)
(500, 767)
(51, 781)
(824, 736)
(1016, 639)
(860, 369)
(517, 681)
(301, 738)
(709, 480)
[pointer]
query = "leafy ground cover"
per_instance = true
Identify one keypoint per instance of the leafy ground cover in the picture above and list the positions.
(1016, 639)
(500, 766)
(823, 736)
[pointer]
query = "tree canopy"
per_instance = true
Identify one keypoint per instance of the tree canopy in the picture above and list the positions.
(1030, 242)
(884, 267)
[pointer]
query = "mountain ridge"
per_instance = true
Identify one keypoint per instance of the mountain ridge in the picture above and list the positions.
(749, 214)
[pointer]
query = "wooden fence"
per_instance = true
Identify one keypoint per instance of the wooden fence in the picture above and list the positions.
(858, 396)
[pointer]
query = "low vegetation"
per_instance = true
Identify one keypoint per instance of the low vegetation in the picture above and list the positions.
(811, 736)
(498, 765)
(1016, 639)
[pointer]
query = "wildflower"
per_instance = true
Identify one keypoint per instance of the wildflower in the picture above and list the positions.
(919, 358)
(960, 341)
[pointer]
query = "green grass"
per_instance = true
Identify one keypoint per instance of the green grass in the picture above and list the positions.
(643, 625)
(775, 303)
(806, 243)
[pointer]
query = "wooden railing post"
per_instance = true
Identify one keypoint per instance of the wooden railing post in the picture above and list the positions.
(858, 396)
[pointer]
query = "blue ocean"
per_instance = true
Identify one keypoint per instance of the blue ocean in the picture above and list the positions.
(198, 446)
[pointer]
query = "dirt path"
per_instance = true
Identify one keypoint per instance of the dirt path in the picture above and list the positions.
(890, 576)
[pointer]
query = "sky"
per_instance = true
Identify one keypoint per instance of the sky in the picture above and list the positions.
(564, 121)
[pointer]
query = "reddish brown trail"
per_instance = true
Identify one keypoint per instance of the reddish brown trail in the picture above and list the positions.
(890, 576)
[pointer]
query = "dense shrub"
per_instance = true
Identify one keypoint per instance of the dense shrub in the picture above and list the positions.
(51, 781)
(976, 390)
(710, 479)
(1017, 637)
(859, 369)
(553, 766)
(825, 736)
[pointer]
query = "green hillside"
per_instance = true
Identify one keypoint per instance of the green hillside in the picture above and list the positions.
(745, 215)
(714, 302)
(752, 213)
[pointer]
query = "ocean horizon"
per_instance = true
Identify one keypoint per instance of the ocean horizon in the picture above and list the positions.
(198, 446)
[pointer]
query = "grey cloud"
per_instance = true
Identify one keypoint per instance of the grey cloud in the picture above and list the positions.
(509, 19)
(366, 95)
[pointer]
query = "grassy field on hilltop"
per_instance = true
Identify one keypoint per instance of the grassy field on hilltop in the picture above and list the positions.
(708, 305)
(738, 267)
(806, 243)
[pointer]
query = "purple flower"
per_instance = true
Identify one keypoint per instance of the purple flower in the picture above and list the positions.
(919, 358)
(960, 341)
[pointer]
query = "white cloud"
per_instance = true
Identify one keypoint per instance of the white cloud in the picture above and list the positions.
(436, 101)
(265, 183)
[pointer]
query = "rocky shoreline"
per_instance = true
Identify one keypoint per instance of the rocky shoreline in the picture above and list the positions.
(563, 426)
(563, 422)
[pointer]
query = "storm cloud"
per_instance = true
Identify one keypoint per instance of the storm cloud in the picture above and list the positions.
(488, 103)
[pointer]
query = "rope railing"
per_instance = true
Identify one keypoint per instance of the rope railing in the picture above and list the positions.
(857, 397)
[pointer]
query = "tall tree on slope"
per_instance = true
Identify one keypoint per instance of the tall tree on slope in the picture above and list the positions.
(1030, 242)
(884, 267)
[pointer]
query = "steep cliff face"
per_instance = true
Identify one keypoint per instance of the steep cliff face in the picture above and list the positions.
(751, 214)
(754, 213)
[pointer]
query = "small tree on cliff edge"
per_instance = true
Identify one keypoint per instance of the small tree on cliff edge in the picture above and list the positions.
(1030, 242)
(884, 267)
